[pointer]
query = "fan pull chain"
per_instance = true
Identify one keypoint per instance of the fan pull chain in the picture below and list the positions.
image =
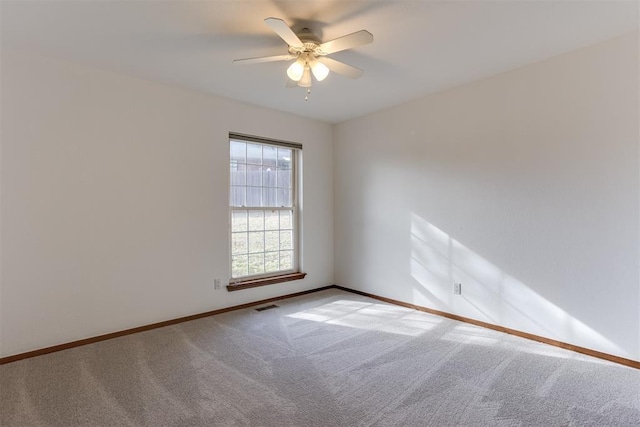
(306, 98)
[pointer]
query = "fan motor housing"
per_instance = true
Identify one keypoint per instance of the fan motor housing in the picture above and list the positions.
(310, 42)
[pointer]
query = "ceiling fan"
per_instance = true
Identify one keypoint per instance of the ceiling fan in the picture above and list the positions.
(310, 54)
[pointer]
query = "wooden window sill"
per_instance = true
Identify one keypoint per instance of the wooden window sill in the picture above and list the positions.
(254, 283)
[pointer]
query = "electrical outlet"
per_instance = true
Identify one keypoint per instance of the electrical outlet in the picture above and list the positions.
(216, 284)
(457, 288)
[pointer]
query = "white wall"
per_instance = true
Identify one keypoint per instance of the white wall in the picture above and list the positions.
(115, 201)
(524, 187)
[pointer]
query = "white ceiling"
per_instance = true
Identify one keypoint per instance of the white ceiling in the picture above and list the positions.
(419, 47)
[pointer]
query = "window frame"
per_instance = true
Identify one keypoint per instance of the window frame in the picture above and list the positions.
(295, 272)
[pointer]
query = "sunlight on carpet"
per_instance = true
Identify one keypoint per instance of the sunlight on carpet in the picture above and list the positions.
(370, 316)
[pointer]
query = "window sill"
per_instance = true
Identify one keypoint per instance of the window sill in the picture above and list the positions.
(254, 283)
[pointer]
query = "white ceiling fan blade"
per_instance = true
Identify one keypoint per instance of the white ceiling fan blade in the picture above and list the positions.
(341, 68)
(283, 30)
(347, 42)
(264, 59)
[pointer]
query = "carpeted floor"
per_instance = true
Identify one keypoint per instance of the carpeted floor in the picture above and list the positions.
(325, 359)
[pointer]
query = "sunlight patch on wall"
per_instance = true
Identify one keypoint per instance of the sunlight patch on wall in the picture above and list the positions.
(489, 293)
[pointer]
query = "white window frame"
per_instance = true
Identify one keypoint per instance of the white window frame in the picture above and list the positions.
(296, 151)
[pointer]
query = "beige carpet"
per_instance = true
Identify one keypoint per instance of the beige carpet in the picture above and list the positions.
(325, 359)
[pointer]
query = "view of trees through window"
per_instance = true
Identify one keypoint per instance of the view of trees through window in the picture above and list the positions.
(262, 209)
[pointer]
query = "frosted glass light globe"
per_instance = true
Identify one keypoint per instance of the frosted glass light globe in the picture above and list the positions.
(320, 71)
(295, 71)
(305, 81)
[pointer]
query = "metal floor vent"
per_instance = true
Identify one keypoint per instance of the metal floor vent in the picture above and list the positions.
(268, 307)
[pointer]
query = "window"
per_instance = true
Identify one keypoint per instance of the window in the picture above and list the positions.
(264, 211)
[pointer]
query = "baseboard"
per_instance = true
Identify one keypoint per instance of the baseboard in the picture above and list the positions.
(65, 346)
(600, 355)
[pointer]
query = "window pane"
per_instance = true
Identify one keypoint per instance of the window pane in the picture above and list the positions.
(271, 241)
(271, 262)
(271, 220)
(254, 175)
(238, 174)
(238, 152)
(269, 155)
(256, 263)
(256, 220)
(285, 260)
(256, 241)
(269, 197)
(284, 197)
(284, 178)
(254, 154)
(239, 243)
(254, 196)
(284, 158)
(269, 176)
(238, 197)
(286, 220)
(239, 221)
(286, 239)
(261, 180)
(239, 265)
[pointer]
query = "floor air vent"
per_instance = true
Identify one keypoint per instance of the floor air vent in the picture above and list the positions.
(268, 307)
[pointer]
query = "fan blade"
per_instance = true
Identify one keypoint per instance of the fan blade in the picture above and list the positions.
(291, 83)
(264, 59)
(283, 30)
(341, 68)
(347, 42)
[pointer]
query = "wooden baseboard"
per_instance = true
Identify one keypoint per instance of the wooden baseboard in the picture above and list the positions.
(600, 355)
(109, 336)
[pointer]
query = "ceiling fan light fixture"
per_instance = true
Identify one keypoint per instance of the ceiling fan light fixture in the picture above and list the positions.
(320, 71)
(296, 71)
(305, 81)
(310, 54)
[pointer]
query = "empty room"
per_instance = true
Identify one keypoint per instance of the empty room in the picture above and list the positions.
(319, 213)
